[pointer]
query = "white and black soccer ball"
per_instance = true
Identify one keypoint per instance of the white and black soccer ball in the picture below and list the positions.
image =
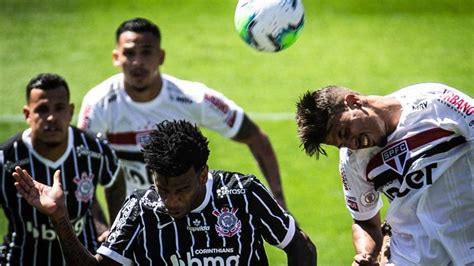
(269, 25)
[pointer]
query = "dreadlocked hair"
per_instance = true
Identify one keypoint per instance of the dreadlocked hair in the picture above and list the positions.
(175, 146)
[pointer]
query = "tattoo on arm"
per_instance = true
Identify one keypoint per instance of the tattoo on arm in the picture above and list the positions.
(74, 252)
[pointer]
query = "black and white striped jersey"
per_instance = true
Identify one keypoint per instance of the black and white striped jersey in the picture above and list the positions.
(228, 227)
(87, 162)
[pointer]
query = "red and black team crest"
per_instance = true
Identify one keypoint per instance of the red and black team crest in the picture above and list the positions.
(396, 156)
(227, 222)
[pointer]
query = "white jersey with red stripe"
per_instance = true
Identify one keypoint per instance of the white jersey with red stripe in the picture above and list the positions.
(426, 170)
(109, 111)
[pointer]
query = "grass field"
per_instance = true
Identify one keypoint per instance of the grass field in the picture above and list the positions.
(372, 46)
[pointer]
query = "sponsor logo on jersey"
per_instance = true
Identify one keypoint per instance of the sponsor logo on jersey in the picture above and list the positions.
(345, 184)
(369, 198)
(149, 203)
(396, 156)
(414, 180)
(81, 150)
(9, 165)
(176, 260)
(217, 103)
(227, 222)
(230, 120)
(225, 190)
(457, 102)
(197, 227)
(420, 106)
(183, 99)
(46, 232)
(142, 138)
(84, 120)
(85, 187)
(352, 204)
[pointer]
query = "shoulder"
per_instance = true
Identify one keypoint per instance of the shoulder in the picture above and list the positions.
(148, 199)
(422, 90)
(193, 89)
(233, 179)
(82, 137)
(235, 184)
(106, 90)
(8, 144)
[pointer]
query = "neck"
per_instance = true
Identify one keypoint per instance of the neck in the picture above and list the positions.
(391, 110)
(48, 151)
(147, 93)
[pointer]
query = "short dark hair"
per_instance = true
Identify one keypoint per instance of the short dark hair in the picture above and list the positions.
(313, 112)
(175, 146)
(138, 25)
(46, 81)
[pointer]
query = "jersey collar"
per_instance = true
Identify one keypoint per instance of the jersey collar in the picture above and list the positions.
(208, 194)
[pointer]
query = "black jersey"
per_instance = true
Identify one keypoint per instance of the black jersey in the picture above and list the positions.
(87, 162)
(228, 228)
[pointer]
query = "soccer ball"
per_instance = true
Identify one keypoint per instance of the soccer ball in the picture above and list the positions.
(269, 25)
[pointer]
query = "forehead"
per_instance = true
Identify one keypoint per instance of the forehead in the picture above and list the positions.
(335, 125)
(176, 182)
(57, 95)
(130, 39)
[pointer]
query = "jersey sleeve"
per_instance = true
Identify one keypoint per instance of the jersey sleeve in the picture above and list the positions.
(361, 199)
(111, 166)
(454, 111)
(277, 226)
(91, 116)
(219, 113)
(123, 233)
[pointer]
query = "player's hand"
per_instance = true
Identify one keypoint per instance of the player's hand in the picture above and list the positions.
(48, 200)
(385, 251)
(364, 259)
(103, 236)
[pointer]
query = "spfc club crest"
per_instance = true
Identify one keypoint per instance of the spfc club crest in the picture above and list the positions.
(396, 156)
(227, 222)
(85, 187)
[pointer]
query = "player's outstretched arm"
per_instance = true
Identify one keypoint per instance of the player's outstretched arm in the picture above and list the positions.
(301, 251)
(50, 201)
(262, 150)
(367, 240)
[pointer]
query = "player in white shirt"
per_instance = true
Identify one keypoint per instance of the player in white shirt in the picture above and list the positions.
(127, 106)
(416, 146)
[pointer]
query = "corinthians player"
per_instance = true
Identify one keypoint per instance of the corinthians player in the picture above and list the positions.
(192, 216)
(51, 144)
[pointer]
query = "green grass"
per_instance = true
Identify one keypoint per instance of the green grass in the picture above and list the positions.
(372, 46)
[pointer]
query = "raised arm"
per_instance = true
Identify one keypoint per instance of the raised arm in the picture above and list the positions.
(301, 251)
(50, 201)
(262, 150)
(367, 240)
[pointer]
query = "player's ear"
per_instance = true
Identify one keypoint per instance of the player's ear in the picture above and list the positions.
(352, 101)
(115, 58)
(71, 110)
(26, 113)
(162, 56)
(203, 175)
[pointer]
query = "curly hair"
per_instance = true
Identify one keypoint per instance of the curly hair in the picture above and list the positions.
(313, 112)
(175, 146)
